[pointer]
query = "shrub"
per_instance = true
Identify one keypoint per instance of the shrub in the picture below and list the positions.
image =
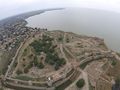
(26, 70)
(114, 62)
(67, 40)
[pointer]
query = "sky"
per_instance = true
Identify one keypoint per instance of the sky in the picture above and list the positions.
(13, 7)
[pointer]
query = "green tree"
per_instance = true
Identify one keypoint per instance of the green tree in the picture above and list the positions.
(80, 83)
(46, 45)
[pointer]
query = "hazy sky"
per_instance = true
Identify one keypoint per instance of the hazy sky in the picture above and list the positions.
(12, 7)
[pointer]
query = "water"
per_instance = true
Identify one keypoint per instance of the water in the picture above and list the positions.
(89, 22)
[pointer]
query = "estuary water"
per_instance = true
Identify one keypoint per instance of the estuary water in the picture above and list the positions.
(91, 22)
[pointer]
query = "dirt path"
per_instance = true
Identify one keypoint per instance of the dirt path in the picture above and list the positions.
(85, 77)
(63, 54)
(14, 58)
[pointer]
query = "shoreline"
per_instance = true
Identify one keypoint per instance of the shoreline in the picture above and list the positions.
(53, 23)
